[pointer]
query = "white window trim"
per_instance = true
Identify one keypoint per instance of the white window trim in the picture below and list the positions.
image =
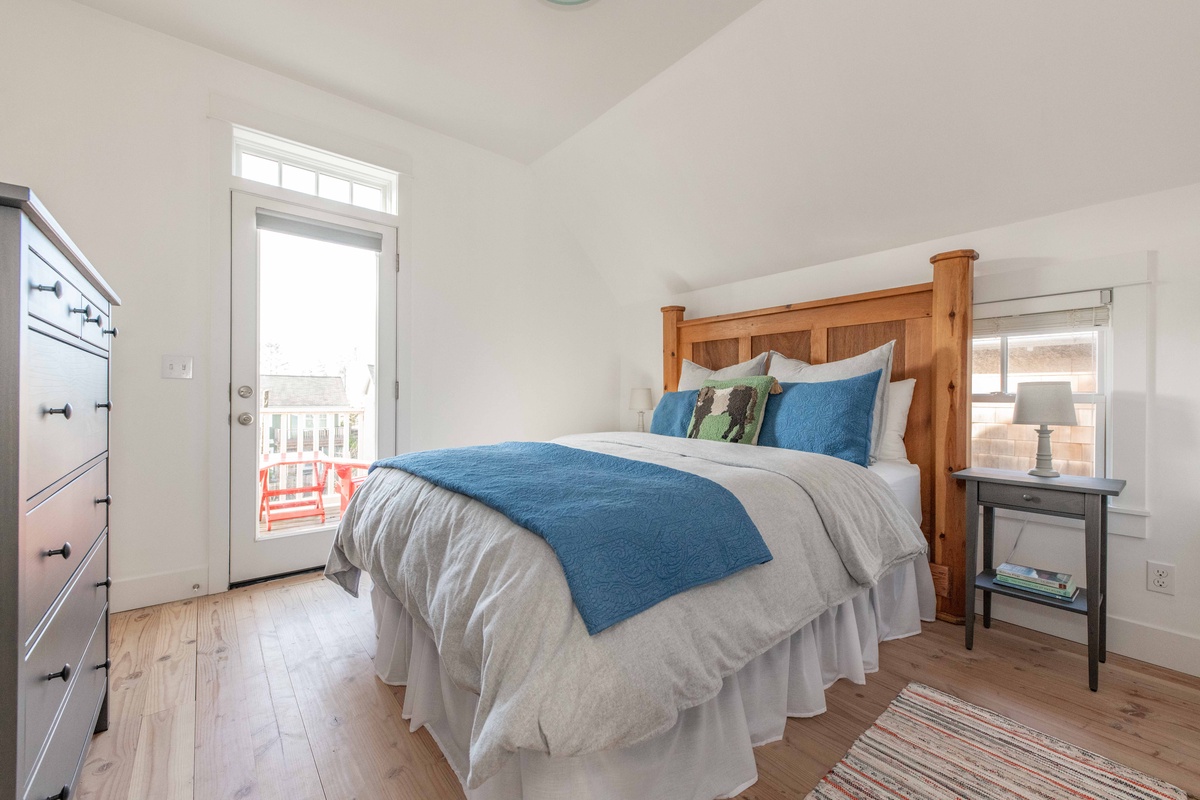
(1132, 277)
(322, 162)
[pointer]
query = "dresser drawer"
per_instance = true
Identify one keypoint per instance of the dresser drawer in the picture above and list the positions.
(94, 327)
(70, 516)
(51, 297)
(61, 644)
(57, 375)
(59, 766)
(1050, 502)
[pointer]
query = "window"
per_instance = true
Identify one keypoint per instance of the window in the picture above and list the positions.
(1068, 345)
(296, 167)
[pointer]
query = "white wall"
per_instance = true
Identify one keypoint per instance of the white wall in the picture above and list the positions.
(1157, 403)
(107, 122)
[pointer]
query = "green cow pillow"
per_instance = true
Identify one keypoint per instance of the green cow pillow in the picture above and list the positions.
(731, 410)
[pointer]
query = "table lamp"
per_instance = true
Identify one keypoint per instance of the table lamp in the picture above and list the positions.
(1043, 404)
(641, 401)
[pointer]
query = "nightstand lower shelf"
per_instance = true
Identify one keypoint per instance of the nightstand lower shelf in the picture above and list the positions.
(986, 581)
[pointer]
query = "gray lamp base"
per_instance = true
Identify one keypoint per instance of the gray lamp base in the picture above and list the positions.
(1044, 467)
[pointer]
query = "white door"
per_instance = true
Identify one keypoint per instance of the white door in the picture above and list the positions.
(313, 377)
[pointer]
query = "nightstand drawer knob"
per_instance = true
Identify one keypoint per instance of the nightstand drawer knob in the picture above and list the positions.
(1028, 498)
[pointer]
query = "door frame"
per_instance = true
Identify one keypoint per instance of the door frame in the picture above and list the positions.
(253, 560)
(223, 114)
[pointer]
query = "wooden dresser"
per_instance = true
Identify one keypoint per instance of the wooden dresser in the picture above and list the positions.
(56, 334)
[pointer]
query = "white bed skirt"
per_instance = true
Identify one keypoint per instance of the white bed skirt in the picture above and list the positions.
(709, 752)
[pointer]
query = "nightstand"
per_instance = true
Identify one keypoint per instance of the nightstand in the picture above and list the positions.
(1065, 496)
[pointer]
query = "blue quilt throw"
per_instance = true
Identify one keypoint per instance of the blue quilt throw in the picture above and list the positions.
(628, 534)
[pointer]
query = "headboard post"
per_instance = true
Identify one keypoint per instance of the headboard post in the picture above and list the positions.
(952, 298)
(672, 362)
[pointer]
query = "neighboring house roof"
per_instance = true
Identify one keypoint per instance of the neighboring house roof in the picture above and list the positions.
(304, 391)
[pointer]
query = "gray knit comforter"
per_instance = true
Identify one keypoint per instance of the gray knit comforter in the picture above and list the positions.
(494, 598)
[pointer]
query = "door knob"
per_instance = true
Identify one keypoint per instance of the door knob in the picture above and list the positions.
(245, 418)
(245, 391)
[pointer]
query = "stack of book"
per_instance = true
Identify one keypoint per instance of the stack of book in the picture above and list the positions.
(1053, 584)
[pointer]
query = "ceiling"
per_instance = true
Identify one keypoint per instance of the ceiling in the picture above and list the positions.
(514, 76)
(808, 131)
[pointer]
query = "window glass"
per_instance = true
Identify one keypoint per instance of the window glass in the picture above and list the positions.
(332, 188)
(1000, 363)
(368, 197)
(985, 366)
(1053, 357)
(299, 179)
(263, 170)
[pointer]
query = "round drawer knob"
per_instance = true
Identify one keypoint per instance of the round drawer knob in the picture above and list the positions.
(106, 583)
(66, 411)
(64, 551)
(107, 404)
(106, 665)
(113, 331)
(63, 794)
(86, 311)
(106, 500)
(1028, 498)
(64, 673)
(56, 288)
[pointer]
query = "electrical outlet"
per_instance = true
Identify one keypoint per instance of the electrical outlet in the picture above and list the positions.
(1160, 577)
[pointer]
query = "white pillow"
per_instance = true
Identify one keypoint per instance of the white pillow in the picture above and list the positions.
(790, 370)
(899, 399)
(693, 376)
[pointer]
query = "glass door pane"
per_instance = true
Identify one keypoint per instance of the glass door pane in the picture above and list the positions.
(317, 411)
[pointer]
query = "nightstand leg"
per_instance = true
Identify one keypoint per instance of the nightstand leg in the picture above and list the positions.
(989, 547)
(971, 562)
(1104, 579)
(1094, 611)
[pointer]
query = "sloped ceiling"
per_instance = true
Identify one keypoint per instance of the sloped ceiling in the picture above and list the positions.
(513, 76)
(808, 131)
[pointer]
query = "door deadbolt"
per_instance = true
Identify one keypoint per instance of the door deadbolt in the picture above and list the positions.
(245, 392)
(245, 418)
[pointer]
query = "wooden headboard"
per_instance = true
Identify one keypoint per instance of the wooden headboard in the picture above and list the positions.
(931, 324)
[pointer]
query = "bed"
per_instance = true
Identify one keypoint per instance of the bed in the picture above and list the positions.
(671, 702)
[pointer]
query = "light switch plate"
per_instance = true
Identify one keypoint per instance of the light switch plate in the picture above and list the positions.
(177, 367)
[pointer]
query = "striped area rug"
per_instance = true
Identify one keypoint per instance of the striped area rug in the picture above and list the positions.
(929, 744)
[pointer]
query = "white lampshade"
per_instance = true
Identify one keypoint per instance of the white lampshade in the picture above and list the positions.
(641, 400)
(1045, 403)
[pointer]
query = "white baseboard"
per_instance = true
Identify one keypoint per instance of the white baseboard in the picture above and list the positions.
(1154, 645)
(163, 587)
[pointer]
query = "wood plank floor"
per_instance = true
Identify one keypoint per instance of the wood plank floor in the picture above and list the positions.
(267, 692)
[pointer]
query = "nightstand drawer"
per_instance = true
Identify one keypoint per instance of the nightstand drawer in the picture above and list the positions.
(1021, 497)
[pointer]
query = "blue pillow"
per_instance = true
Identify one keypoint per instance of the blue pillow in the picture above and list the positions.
(833, 417)
(673, 413)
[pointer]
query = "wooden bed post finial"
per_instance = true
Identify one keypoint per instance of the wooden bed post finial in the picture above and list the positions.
(672, 362)
(953, 277)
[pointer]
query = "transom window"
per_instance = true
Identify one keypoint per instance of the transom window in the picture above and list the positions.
(1054, 346)
(290, 165)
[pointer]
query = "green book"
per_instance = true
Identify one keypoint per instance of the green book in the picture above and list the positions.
(1029, 586)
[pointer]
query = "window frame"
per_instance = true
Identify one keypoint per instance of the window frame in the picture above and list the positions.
(1101, 398)
(321, 162)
